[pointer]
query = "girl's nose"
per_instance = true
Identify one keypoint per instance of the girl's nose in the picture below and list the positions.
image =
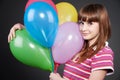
(83, 27)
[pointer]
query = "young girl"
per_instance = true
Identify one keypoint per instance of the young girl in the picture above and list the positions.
(95, 60)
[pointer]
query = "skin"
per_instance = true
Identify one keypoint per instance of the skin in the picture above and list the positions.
(15, 27)
(89, 31)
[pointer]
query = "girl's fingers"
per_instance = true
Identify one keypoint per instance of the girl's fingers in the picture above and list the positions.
(9, 38)
(12, 34)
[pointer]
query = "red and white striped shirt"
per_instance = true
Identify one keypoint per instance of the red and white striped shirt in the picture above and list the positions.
(102, 60)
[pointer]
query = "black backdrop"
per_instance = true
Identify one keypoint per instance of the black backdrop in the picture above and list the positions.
(12, 11)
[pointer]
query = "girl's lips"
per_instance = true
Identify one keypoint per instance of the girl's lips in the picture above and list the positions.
(84, 34)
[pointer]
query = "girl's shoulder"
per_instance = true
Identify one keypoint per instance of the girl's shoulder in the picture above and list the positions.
(105, 51)
(106, 48)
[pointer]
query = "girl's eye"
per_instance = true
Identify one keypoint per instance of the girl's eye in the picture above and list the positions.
(81, 23)
(90, 23)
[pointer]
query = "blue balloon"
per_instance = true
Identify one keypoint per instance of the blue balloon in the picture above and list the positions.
(41, 21)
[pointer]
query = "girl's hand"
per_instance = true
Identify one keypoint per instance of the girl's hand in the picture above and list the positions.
(55, 76)
(11, 34)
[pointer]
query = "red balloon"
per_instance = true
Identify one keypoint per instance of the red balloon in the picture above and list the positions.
(47, 1)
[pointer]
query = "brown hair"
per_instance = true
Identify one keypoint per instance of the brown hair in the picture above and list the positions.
(95, 13)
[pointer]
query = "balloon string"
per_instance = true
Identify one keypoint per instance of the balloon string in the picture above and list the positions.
(56, 67)
(52, 60)
(54, 64)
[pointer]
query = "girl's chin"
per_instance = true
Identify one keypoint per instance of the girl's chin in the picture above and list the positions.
(86, 38)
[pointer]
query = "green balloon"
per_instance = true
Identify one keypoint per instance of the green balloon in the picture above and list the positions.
(26, 50)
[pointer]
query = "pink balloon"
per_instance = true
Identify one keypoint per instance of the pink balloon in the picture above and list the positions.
(68, 42)
(47, 1)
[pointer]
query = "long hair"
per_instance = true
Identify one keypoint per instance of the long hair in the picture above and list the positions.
(95, 13)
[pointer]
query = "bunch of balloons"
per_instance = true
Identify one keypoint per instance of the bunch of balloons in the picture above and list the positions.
(51, 35)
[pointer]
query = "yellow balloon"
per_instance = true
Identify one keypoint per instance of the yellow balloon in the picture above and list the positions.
(66, 12)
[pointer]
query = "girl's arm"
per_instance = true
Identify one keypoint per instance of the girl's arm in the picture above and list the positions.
(55, 76)
(98, 75)
(11, 34)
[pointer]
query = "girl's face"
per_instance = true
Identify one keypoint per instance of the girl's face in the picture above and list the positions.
(89, 30)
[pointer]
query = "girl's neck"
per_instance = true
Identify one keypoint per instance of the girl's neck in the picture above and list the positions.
(92, 41)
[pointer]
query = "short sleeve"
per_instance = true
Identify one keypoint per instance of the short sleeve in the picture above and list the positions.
(103, 60)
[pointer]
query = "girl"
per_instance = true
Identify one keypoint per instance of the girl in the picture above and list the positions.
(95, 60)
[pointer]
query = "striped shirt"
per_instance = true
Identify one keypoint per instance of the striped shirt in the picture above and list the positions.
(102, 60)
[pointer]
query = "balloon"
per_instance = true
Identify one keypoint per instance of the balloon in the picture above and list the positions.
(41, 21)
(66, 12)
(47, 1)
(68, 42)
(26, 50)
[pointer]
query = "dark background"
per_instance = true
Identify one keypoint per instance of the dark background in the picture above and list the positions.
(12, 11)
